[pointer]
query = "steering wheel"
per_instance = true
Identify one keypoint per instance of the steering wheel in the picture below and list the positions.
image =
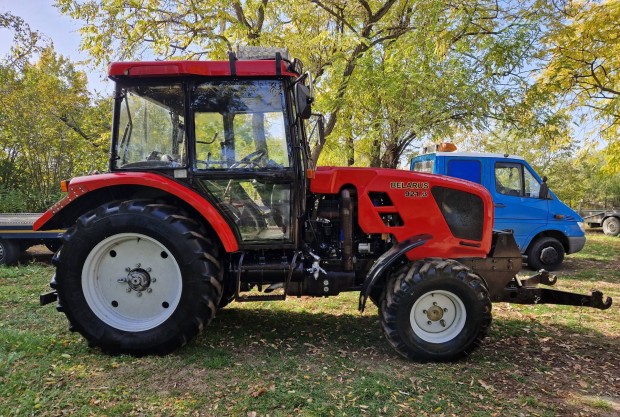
(250, 160)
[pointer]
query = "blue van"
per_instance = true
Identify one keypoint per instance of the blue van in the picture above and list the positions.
(544, 227)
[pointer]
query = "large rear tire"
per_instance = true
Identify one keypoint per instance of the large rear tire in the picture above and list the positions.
(137, 278)
(435, 309)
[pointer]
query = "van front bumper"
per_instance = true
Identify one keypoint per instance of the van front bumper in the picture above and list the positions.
(575, 244)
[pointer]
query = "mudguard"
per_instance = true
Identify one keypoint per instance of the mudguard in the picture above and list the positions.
(385, 261)
(79, 187)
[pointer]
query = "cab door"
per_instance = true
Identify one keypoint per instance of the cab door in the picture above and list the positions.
(243, 157)
(517, 203)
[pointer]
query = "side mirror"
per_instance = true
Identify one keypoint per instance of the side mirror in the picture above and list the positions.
(321, 125)
(304, 95)
(303, 101)
(544, 189)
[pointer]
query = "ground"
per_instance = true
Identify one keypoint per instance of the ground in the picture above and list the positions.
(319, 357)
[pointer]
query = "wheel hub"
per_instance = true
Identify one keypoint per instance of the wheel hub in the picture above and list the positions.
(435, 313)
(139, 280)
(549, 255)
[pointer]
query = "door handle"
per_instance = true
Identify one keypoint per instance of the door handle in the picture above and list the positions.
(500, 205)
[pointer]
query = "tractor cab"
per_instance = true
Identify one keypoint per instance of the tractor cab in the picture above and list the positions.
(238, 141)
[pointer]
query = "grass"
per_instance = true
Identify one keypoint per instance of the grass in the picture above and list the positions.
(319, 357)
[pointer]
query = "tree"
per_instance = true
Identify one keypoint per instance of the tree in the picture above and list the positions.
(441, 65)
(583, 53)
(48, 131)
(26, 41)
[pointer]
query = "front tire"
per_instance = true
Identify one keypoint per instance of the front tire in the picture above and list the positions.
(611, 226)
(137, 278)
(545, 253)
(435, 309)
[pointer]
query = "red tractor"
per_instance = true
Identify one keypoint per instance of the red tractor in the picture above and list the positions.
(211, 198)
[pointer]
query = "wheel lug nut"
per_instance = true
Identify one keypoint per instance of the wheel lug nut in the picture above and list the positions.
(139, 293)
(149, 290)
(424, 312)
(434, 303)
(128, 269)
(153, 279)
(442, 322)
(148, 269)
(445, 310)
(429, 322)
(128, 289)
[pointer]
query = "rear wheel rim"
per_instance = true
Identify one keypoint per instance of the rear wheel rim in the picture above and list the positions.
(131, 282)
(438, 316)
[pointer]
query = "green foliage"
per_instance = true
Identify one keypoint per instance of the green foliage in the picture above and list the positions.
(50, 129)
(388, 74)
(583, 53)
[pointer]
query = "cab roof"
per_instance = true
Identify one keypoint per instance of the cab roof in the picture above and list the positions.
(239, 68)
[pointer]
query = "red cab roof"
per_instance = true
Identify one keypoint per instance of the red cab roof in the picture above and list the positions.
(242, 68)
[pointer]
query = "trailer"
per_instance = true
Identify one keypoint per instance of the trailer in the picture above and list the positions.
(608, 219)
(16, 236)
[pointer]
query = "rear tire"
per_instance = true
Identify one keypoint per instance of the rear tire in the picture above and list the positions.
(137, 278)
(9, 252)
(545, 253)
(435, 309)
(611, 226)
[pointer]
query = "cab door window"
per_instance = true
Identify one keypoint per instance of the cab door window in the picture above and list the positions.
(509, 178)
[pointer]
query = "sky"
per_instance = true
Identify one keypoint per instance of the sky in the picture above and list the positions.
(42, 16)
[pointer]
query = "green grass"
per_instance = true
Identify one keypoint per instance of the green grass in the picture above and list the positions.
(319, 357)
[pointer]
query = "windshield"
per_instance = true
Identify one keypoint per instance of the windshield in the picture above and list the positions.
(151, 130)
(240, 124)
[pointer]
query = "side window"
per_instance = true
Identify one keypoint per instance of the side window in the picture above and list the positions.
(151, 129)
(508, 178)
(467, 170)
(532, 186)
(424, 166)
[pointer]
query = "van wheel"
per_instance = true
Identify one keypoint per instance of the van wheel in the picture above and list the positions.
(435, 309)
(545, 253)
(611, 226)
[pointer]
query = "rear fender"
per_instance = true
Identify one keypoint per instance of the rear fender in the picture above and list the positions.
(87, 193)
(385, 261)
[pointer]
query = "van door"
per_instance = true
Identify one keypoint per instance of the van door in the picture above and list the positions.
(517, 203)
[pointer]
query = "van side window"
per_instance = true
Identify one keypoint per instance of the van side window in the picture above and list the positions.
(424, 166)
(509, 178)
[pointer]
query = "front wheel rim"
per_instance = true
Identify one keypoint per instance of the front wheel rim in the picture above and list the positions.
(438, 316)
(131, 282)
(549, 255)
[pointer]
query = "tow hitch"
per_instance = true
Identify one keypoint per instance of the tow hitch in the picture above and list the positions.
(526, 291)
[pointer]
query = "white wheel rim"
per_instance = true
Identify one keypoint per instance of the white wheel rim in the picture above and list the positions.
(438, 316)
(131, 282)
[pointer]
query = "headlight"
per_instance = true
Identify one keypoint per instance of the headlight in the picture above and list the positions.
(582, 226)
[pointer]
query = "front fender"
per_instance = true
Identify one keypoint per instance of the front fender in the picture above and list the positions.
(386, 260)
(79, 188)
